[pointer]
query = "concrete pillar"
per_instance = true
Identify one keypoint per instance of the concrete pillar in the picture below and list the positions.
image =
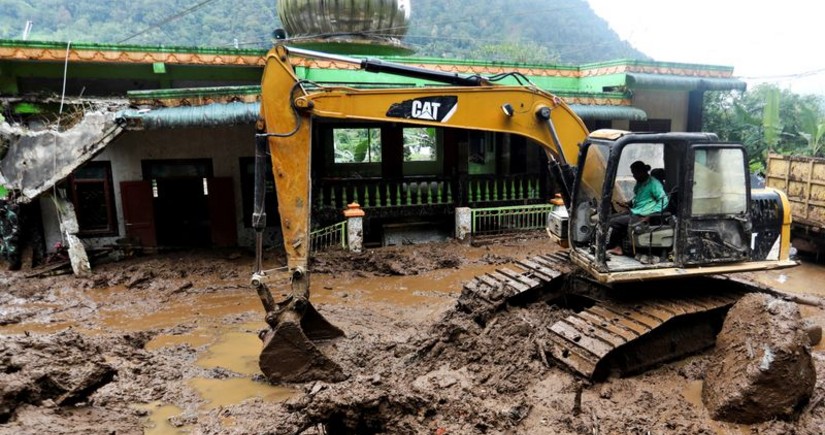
(355, 226)
(463, 223)
(69, 227)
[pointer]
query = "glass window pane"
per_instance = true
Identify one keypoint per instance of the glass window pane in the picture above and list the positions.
(651, 154)
(719, 182)
(419, 145)
(92, 209)
(91, 171)
(357, 145)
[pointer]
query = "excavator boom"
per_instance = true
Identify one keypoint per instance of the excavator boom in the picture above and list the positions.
(289, 107)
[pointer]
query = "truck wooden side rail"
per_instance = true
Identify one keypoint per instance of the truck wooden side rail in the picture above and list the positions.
(803, 180)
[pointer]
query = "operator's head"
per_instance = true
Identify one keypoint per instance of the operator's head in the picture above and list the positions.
(640, 170)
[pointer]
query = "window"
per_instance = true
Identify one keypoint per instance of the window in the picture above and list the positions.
(357, 145)
(652, 154)
(719, 182)
(420, 145)
(482, 153)
(93, 199)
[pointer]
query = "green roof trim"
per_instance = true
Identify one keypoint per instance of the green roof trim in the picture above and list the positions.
(684, 83)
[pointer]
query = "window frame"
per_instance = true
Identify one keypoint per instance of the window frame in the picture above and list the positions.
(74, 181)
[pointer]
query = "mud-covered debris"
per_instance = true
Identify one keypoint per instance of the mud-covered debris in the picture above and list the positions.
(62, 369)
(392, 261)
(360, 411)
(762, 367)
(140, 279)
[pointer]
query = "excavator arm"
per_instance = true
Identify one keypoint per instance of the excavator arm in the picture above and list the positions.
(288, 107)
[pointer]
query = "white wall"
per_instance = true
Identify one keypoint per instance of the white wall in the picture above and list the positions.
(671, 105)
(224, 146)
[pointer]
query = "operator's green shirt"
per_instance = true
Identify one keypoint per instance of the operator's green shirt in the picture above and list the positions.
(649, 197)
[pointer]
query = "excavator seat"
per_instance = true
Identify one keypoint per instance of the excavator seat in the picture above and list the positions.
(653, 241)
(657, 233)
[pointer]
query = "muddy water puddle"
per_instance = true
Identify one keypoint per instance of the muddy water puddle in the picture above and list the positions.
(807, 278)
(224, 392)
(235, 350)
(209, 308)
(231, 347)
(157, 419)
(693, 394)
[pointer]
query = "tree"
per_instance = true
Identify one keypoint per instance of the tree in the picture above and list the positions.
(521, 52)
(767, 119)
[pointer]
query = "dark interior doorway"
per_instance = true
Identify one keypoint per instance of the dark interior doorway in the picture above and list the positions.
(179, 189)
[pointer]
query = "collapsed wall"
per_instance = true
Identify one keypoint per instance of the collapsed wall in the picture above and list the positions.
(34, 161)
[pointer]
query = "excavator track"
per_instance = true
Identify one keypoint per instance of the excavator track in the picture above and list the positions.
(536, 276)
(611, 331)
(630, 336)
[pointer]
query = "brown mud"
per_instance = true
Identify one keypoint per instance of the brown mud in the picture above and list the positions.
(168, 344)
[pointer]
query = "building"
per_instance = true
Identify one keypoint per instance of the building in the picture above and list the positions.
(157, 144)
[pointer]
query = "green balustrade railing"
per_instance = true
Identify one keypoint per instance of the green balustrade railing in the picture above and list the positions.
(328, 237)
(503, 188)
(383, 193)
(501, 220)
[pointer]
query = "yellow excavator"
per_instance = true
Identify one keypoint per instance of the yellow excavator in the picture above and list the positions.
(662, 299)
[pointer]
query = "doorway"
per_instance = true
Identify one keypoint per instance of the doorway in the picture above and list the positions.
(180, 197)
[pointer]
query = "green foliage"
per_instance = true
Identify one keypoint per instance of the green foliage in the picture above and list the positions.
(812, 126)
(770, 118)
(216, 24)
(357, 145)
(419, 144)
(766, 118)
(505, 30)
(528, 52)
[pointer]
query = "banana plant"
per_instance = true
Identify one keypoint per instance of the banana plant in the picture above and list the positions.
(813, 129)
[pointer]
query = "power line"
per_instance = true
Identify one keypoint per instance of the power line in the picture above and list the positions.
(788, 76)
(168, 19)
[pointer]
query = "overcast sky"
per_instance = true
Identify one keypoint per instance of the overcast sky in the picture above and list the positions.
(764, 41)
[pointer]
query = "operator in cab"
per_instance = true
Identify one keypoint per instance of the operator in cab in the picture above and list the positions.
(649, 198)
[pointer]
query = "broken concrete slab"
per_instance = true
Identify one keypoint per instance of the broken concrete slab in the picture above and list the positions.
(762, 367)
(70, 227)
(35, 160)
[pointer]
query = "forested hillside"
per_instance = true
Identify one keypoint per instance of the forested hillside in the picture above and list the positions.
(565, 31)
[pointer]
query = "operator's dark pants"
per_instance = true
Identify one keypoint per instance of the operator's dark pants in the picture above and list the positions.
(618, 228)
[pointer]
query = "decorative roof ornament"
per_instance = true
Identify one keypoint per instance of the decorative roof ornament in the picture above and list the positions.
(374, 27)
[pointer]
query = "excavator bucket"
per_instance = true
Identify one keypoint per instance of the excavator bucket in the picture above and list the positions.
(289, 351)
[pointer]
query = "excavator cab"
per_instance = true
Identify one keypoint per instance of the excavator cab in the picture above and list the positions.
(705, 219)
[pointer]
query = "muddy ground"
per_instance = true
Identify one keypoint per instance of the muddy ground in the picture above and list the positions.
(168, 344)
